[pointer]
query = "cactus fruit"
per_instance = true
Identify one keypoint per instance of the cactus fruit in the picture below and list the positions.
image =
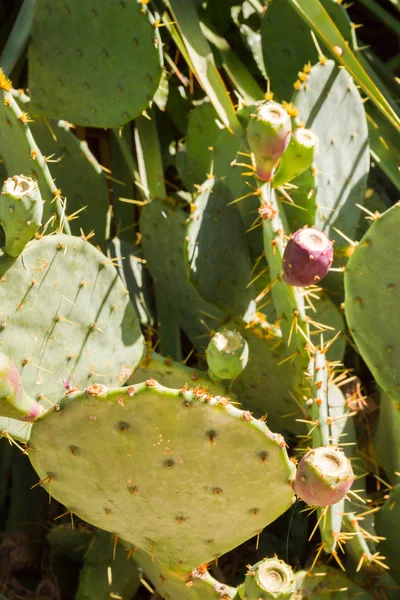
(324, 476)
(269, 579)
(307, 257)
(299, 156)
(227, 354)
(14, 403)
(21, 210)
(268, 134)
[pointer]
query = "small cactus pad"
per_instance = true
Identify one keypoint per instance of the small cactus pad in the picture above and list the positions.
(102, 66)
(372, 296)
(21, 210)
(227, 354)
(269, 579)
(159, 468)
(307, 257)
(163, 228)
(324, 476)
(174, 375)
(268, 134)
(216, 236)
(65, 312)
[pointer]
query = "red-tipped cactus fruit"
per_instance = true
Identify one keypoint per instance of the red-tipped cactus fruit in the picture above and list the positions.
(14, 402)
(268, 134)
(307, 257)
(323, 477)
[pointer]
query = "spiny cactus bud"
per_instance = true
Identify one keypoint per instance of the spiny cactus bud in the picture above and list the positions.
(21, 210)
(268, 134)
(323, 477)
(227, 354)
(267, 579)
(14, 403)
(299, 156)
(307, 258)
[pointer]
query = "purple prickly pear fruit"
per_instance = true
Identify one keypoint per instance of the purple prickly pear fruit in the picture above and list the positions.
(268, 134)
(14, 403)
(323, 477)
(307, 258)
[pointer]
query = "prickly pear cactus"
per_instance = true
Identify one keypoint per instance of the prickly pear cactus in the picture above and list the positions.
(149, 499)
(370, 283)
(87, 327)
(79, 76)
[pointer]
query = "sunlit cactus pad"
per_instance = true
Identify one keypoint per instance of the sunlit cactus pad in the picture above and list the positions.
(65, 312)
(185, 477)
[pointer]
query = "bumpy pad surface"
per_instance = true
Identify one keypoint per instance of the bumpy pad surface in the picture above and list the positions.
(92, 63)
(184, 478)
(65, 312)
(372, 299)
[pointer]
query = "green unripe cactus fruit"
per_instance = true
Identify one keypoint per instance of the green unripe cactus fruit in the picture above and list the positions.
(299, 156)
(227, 354)
(268, 134)
(21, 210)
(13, 400)
(267, 579)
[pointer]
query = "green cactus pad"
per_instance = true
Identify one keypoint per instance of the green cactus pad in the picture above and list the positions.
(174, 374)
(216, 236)
(266, 384)
(159, 467)
(388, 526)
(327, 583)
(387, 439)
(287, 46)
(106, 571)
(79, 175)
(201, 135)
(100, 69)
(372, 296)
(330, 96)
(164, 247)
(128, 260)
(65, 312)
